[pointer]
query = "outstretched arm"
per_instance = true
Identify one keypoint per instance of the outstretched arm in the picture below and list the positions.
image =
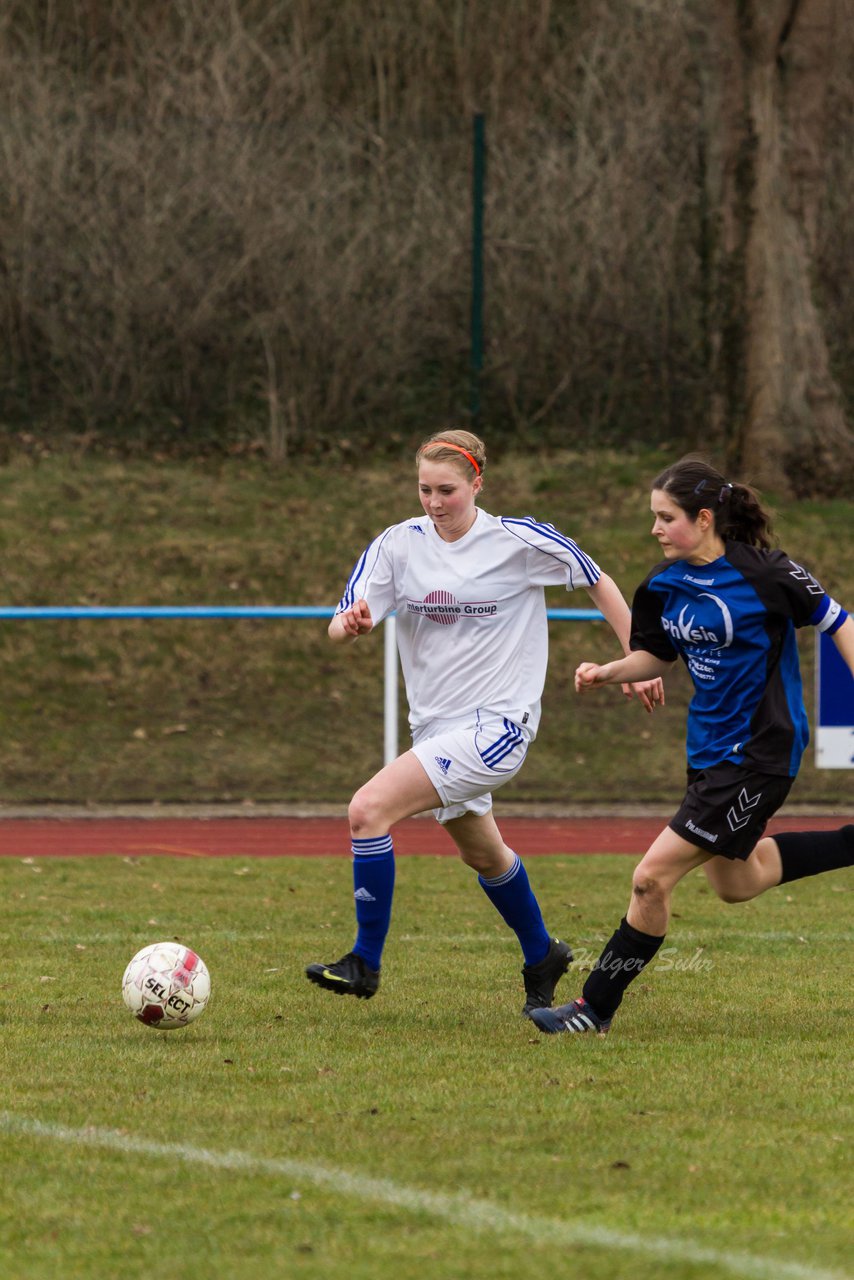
(638, 666)
(844, 641)
(608, 598)
(352, 623)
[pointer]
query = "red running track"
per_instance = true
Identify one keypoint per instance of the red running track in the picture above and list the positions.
(313, 837)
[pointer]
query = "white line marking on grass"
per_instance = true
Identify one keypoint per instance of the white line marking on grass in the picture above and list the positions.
(460, 1210)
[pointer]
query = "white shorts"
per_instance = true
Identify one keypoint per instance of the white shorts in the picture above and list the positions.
(467, 759)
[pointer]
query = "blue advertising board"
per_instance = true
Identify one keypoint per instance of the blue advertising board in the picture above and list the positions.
(834, 699)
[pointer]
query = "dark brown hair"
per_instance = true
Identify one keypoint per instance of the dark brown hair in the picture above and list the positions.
(695, 485)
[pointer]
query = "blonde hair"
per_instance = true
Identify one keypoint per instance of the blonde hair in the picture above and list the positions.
(462, 447)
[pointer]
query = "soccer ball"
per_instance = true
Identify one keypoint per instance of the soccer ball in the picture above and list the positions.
(166, 985)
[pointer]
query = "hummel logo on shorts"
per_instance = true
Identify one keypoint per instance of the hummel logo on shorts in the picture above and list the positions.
(443, 764)
(362, 895)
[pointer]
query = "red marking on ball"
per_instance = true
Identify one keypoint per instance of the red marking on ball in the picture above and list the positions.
(184, 976)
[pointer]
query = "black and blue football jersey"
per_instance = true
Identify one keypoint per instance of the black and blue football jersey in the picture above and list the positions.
(733, 624)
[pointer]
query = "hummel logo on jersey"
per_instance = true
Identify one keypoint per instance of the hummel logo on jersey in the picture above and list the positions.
(443, 764)
(707, 835)
(800, 574)
(362, 895)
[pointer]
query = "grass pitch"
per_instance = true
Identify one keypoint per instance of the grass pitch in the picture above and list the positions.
(430, 1132)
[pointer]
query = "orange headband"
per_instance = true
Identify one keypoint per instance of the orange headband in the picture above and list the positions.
(446, 444)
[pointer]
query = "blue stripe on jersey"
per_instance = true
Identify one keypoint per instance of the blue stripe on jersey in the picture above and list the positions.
(350, 590)
(359, 570)
(587, 566)
(502, 747)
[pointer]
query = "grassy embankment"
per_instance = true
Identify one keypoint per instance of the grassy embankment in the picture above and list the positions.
(106, 711)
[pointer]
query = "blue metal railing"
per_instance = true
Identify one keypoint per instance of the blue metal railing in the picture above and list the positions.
(26, 613)
(167, 611)
(191, 611)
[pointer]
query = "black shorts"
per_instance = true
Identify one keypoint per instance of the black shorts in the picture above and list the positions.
(726, 808)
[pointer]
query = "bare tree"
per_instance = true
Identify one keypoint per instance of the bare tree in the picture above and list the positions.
(775, 399)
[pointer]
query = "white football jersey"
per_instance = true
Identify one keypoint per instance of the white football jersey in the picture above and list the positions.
(471, 614)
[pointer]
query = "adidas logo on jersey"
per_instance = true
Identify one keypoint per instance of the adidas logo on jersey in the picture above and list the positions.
(416, 528)
(443, 764)
(362, 895)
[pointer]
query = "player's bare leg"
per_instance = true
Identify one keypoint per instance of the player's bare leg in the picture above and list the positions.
(668, 859)
(399, 790)
(739, 881)
(780, 859)
(481, 844)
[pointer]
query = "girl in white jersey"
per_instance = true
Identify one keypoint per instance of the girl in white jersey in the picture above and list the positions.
(467, 588)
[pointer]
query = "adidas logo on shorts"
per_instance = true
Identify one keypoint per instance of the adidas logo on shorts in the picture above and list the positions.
(443, 764)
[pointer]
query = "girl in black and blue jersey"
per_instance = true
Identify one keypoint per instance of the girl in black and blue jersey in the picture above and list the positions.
(726, 604)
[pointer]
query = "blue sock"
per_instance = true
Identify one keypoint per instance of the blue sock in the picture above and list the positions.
(513, 898)
(373, 882)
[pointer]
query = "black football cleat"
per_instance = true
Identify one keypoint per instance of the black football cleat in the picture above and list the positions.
(577, 1016)
(349, 976)
(541, 979)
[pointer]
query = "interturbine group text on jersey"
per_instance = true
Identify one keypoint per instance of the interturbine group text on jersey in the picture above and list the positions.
(444, 608)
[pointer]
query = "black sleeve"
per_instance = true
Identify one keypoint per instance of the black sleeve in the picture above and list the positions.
(647, 632)
(784, 586)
